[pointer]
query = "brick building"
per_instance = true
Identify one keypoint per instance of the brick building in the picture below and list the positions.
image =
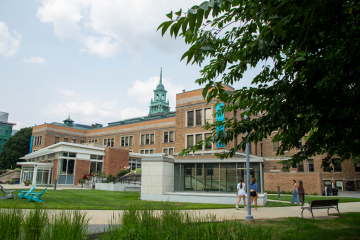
(167, 132)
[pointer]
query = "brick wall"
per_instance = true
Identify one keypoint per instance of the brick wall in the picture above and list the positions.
(82, 168)
(54, 175)
(115, 159)
(312, 181)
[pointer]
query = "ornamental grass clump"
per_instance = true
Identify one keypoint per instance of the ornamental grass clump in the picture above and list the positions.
(171, 223)
(10, 223)
(34, 223)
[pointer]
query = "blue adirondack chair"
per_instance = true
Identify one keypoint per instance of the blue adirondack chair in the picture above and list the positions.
(25, 194)
(36, 196)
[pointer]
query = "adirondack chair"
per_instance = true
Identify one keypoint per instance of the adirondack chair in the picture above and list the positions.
(25, 194)
(36, 196)
(7, 194)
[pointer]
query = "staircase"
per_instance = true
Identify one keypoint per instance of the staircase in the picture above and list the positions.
(4, 178)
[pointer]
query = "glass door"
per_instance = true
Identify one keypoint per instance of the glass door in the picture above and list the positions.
(66, 171)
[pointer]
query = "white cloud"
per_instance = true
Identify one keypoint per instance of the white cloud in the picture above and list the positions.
(67, 93)
(9, 43)
(90, 112)
(132, 113)
(38, 60)
(20, 125)
(144, 90)
(105, 27)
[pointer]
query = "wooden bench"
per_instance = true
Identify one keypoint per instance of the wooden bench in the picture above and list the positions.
(322, 204)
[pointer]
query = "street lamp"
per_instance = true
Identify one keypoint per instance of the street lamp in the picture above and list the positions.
(248, 217)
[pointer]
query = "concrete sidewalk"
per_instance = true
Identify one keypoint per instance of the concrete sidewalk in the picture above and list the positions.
(103, 217)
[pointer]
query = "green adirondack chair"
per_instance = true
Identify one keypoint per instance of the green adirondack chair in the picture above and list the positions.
(36, 196)
(25, 194)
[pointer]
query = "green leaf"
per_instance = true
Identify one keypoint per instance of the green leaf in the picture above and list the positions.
(169, 15)
(301, 53)
(199, 17)
(192, 21)
(273, 16)
(279, 31)
(166, 26)
(179, 13)
(300, 59)
(208, 47)
(184, 25)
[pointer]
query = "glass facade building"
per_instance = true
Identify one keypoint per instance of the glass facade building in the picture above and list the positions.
(5, 129)
(214, 177)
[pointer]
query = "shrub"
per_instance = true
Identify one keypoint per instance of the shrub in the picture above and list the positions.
(82, 180)
(138, 170)
(289, 192)
(274, 192)
(307, 194)
(27, 181)
(283, 192)
(110, 177)
(122, 173)
(17, 170)
(315, 194)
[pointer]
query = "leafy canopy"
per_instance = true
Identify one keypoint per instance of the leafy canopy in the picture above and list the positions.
(309, 84)
(15, 147)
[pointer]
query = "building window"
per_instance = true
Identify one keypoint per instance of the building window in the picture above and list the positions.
(190, 118)
(169, 151)
(147, 151)
(74, 140)
(337, 165)
(208, 115)
(37, 140)
(208, 146)
(81, 141)
(127, 141)
(327, 183)
(168, 137)
(198, 117)
(193, 139)
(310, 165)
(92, 141)
(96, 157)
(275, 146)
(65, 139)
(300, 166)
(147, 139)
(358, 184)
(109, 142)
(134, 163)
(326, 167)
(298, 148)
(339, 184)
(56, 139)
(357, 167)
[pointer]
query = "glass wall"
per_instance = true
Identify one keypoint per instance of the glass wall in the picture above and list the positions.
(66, 170)
(213, 177)
(26, 173)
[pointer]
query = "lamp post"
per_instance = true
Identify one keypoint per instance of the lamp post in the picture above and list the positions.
(248, 217)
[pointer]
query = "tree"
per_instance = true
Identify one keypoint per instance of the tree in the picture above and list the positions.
(309, 84)
(16, 147)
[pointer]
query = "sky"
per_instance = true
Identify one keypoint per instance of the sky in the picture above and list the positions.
(97, 61)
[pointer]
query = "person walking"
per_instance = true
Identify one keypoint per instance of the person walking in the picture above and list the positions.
(254, 192)
(301, 190)
(241, 193)
(295, 193)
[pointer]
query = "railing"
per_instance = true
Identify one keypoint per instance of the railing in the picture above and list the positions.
(132, 178)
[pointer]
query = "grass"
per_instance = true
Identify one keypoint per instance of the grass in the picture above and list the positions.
(98, 200)
(309, 198)
(169, 224)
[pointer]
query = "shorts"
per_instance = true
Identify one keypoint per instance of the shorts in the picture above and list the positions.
(253, 194)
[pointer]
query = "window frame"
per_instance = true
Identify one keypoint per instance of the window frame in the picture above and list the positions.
(308, 165)
(194, 140)
(337, 166)
(123, 140)
(145, 134)
(168, 151)
(203, 112)
(168, 133)
(274, 147)
(147, 149)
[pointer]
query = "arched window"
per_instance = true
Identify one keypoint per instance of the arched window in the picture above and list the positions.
(163, 98)
(157, 97)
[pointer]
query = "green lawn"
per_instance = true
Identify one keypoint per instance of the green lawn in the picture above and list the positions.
(97, 200)
(344, 227)
(309, 198)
